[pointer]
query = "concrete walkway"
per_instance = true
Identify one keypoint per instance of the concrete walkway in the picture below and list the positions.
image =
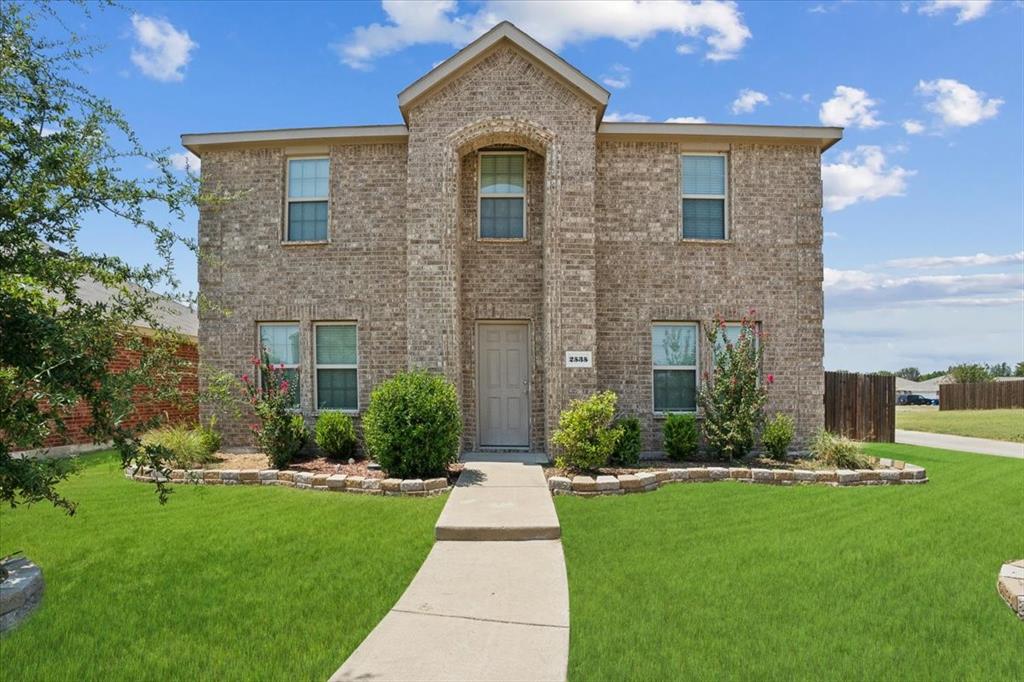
(491, 602)
(982, 446)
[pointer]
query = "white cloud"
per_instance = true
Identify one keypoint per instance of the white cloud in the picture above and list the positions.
(861, 175)
(832, 235)
(966, 10)
(618, 77)
(748, 100)
(957, 104)
(685, 49)
(978, 259)
(859, 288)
(186, 161)
(552, 23)
(686, 119)
(849, 106)
(806, 97)
(161, 50)
(616, 117)
(913, 127)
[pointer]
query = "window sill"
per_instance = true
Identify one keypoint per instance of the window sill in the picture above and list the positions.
(319, 242)
(662, 416)
(503, 240)
(325, 410)
(687, 240)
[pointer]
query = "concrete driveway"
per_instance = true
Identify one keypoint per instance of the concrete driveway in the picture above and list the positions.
(981, 446)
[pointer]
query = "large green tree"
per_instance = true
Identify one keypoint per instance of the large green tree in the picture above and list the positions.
(63, 154)
(969, 373)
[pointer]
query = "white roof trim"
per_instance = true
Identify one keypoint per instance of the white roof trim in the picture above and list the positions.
(503, 31)
(826, 136)
(195, 140)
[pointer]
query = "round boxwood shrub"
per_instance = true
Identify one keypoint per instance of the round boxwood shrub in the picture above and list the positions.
(335, 435)
(627, 450)
(681, 438)
(413, 425)
(585, 433)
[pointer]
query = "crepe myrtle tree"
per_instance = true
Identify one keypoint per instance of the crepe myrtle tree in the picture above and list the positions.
(732, 397)
(63, 153)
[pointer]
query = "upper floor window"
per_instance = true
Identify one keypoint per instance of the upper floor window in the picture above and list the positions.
(674, 362)
(502, 195)
(279, 344)
(336, 353)
(705, 204)
(307, 200)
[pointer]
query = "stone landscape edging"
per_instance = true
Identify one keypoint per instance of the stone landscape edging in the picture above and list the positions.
(896, 472)
(20, 592)
(339, 483)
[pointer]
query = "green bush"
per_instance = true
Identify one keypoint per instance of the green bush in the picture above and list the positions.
(837, 451)
(681, 437)
(627, 449)
(413, 425)
(335, 435)
(585, 433)
(282, 437)
(777, 435)
(210, 435)
(187, 446)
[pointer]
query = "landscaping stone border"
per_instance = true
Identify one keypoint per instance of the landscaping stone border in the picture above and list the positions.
(1011, 585)
(338, 483)
(895, 472)
(20, 592)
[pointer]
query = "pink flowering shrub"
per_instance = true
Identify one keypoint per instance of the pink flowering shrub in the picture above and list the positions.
(280, 433)
(731, 398)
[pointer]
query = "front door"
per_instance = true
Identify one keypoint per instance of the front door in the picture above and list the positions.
(503, 380)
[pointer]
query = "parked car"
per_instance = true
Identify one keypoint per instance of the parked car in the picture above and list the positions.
(915, 399)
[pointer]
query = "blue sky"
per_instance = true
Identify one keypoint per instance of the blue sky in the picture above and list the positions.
(924, 219)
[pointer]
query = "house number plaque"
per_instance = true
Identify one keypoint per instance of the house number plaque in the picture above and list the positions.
(579, 358)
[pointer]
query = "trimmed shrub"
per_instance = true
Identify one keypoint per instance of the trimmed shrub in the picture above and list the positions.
(585, 433)
(681, 437)
(777, 435)
(413, 425)
(282, 439)
(837, 451)
(186, 446)
(336, 435)
(627, 449)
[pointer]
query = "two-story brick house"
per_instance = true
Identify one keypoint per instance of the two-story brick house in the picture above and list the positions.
(507, 237)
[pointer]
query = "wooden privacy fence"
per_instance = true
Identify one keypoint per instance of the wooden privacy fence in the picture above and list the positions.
(861, 406)
(991, 395)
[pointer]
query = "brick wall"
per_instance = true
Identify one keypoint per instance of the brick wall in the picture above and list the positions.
(251, 277)
(771, 262)
(79, 418)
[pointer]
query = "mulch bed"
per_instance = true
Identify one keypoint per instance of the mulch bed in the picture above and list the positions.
(662, 464)
(316, 465)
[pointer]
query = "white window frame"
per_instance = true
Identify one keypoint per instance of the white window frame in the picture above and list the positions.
(725, 197)
(259, 353)
(317, 366)
(480, 196)
(695, 367)
(288, 200)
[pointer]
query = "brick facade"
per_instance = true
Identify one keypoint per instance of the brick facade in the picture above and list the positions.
(602, 258)
(79, 417)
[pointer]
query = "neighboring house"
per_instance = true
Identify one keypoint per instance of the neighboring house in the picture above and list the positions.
(172, 316)
(508, 238)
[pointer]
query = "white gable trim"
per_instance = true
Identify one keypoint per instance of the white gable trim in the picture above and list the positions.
(469, 54)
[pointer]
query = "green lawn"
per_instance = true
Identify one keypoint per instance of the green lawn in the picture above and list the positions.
(744, 582)
(222, 583)
(997, 424)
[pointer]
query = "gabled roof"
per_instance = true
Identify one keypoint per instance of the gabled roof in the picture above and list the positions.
(476, 50)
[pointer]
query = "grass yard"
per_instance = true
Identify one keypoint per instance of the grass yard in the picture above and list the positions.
(730, 581)
(222, 583)
(997, 424)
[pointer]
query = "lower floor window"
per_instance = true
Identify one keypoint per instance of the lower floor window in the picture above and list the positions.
(279, 346)
(336, 353)
(674, 363)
